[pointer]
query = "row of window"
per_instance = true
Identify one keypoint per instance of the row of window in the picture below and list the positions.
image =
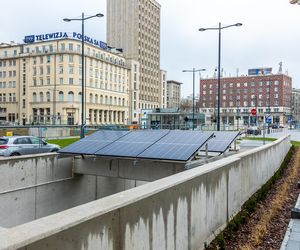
(10, 73)
(245, 84)
(92, 84)
(71, 48)
(115, 77)
(9, 63)
(10, 97)
(238, 91)
(243, 104)
(108, 100)
(10, 84)
(267, 110)
(238, 97)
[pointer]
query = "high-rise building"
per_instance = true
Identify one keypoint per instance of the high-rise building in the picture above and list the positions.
(296, 105)
(173, 94)
(40, 83)
(134, 26)
(269, 94)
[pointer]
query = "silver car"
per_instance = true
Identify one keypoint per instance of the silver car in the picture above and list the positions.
(24, 145)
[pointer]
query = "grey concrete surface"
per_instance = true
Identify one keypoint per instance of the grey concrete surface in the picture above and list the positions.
(182, 211)
(126, 168)
(35, 186)
(291, 240)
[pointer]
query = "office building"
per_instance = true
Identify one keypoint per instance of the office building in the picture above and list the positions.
(134, 26)
(296, 105)
(173, 94)
(269, 94)
(40, 83)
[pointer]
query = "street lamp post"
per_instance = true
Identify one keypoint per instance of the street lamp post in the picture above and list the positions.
(82, 19)
(219, 63)
(194, 71)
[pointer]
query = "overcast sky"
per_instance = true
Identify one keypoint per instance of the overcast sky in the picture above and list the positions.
(270, 32)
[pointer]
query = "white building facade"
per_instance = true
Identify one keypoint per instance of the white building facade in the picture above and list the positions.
(41, 83)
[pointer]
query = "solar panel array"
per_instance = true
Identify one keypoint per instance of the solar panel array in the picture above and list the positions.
(132, 144)
(94, 142)
(175, 145)
(221, 142)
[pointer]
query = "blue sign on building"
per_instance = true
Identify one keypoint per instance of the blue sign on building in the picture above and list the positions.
(269, 119)
(29, 39)
(58, 35)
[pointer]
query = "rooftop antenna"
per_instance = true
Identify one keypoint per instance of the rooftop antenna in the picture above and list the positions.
(237, 72)
(280, 68)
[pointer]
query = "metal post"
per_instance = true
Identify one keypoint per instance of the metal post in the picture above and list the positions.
(193, 98)
(219, 76)
(82, 80)
(269, 104)
(54, 105)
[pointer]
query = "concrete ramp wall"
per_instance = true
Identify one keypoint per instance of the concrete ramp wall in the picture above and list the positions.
(178, 212)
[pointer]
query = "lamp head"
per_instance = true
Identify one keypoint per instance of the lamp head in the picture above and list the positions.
(99, 15)
(202, 29)
(238, 24)
(67, 19)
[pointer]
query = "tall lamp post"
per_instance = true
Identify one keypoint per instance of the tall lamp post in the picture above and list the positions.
(82, 19)
(194, 71)
(219, 63)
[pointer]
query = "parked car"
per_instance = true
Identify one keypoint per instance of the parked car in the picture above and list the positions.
(274, 126)
(24, 145)
(254, 130)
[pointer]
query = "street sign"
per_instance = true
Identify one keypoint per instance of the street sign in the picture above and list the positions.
(269, 120)
(253, 112)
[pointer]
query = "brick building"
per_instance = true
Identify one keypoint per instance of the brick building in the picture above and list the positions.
(269, 94)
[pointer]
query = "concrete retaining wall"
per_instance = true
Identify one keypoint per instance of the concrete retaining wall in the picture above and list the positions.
(178, 212)
(35, 186)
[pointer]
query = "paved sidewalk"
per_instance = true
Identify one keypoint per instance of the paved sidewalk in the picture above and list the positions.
(295, 134)
(291, 240)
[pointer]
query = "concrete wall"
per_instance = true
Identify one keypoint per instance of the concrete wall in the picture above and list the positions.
(35, 186)
(178, 212)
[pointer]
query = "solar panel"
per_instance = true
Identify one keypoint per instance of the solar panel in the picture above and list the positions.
(177, 145)
(221, 142)
(92, 143)
(132, 144)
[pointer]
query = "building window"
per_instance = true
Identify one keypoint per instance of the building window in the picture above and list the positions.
(48, 96)
(71, 70)
(34, 97)
(41, 97)
(71, 81)
(70, 96)
(61, 96)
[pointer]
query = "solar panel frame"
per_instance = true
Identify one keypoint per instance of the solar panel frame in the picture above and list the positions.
(221, 142)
